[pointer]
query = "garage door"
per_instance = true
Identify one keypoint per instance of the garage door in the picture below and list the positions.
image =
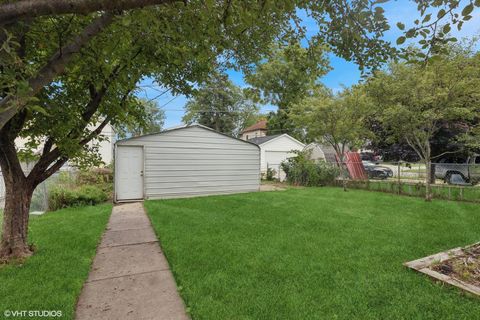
(129, 175)
(274, 159)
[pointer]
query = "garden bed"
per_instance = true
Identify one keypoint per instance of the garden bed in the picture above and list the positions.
(459, 267)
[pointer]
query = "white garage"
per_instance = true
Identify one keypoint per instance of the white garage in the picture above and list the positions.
(184, 162)
(276, 149)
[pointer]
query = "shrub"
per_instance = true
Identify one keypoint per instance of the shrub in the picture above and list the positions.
(95, 176)
(59, 197)
(270, 176)
(303, 171)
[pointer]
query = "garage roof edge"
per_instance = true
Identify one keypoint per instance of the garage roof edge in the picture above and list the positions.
(283, 135)
(185, 127)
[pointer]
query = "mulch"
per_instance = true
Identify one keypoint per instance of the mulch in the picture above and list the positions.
(464, 267)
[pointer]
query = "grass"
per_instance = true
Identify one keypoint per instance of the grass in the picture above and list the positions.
(314, 253)
(52, 278)
(439, 191)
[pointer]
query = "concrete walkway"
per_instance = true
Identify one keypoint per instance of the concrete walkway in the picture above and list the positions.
(130, 277)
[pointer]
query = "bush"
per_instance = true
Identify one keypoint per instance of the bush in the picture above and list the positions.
(95, 176)
(302, 171)
(59, 197)
(270, 176)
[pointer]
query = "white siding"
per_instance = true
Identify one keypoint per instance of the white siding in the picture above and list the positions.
(105, 147)
(274, 151)
(195, 161)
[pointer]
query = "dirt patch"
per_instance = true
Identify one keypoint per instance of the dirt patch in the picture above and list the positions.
(277, 186)
(464, 267)
(271, 187)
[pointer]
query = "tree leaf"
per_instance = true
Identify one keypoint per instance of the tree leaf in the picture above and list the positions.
(467, 10)
(401, 40)
(446, 28)
(441, 14)
(39, 109)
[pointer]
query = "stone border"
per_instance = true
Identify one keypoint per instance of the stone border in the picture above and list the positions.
(423, 265)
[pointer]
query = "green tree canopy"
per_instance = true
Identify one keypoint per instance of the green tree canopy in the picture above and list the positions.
(220, 105)
(150, 119)
(288, 74)
(414, 101)
(337, 120)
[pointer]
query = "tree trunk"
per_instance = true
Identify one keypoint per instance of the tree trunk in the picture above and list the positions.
(428, 187)
(14, 243)
(344, 171)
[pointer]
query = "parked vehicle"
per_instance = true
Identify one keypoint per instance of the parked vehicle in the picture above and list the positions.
(375, 171)
(459, 170)
(370, 156)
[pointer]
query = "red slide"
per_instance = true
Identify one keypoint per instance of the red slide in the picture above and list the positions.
(355, 166)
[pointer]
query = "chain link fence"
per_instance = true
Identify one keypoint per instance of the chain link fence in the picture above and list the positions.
(41, 194)
(451, 181)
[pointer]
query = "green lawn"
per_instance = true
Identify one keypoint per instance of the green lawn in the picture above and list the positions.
(439, 191)
(315, 253)
(51, 279)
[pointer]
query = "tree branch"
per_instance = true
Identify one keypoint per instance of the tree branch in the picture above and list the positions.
(51, 170)
(96, 97)
(14, 11)
(95, 132)
(10, 105)
(446, 152)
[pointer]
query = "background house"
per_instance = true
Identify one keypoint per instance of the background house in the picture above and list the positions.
(276, 149)
(106, 146)
(257, 130)
(106, 142)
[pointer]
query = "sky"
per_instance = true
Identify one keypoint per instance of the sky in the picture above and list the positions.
(343, 73)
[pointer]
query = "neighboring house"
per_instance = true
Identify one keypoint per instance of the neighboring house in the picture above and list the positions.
(257, 130)
(276, 149)
(188, 161)
(105, 146)
(106, 149)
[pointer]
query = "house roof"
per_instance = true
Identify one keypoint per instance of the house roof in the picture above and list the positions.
(262, 140)
(260, 125)
(181, 127)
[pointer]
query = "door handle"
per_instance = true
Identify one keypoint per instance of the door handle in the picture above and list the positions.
(141, 173)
